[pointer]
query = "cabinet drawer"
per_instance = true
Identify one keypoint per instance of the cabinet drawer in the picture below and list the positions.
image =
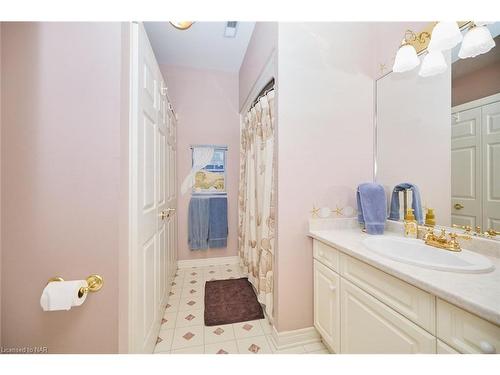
(369, 326)
(466, 332)
(413, 303)
(326, 255)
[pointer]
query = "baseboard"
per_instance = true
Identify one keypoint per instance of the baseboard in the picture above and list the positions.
(289, 339)
(188, 263)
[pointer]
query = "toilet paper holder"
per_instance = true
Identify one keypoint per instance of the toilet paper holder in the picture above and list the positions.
(94, 284)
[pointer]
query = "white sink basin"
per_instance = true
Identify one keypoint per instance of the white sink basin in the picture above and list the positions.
(412, 251)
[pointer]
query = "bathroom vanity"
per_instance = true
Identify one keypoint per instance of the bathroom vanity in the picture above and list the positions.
(365, 302)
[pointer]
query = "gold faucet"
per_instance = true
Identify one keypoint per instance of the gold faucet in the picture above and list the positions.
(443, 240)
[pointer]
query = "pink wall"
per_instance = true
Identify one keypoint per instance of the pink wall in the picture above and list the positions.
(325, 142)
(60, 180)
(262, 44)
(206, 102)
(476, 85)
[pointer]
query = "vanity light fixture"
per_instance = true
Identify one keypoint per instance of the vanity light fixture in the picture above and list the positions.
(406, 57)
(477, 40)
(445, 36)
(182, 25)
(434, 63)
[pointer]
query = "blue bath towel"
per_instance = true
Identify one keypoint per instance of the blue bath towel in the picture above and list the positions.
(218, 229)
(198, 223)
(416, 204)
(372, 207)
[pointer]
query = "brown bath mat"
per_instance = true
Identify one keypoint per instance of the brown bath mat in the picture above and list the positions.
(230, 301)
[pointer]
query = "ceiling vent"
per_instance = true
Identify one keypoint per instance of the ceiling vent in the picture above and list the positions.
(230, 31)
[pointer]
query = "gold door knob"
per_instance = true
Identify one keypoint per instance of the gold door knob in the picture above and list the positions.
(458, 206)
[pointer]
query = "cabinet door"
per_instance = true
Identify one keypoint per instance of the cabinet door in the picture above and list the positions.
(369, 326)
(326, 305)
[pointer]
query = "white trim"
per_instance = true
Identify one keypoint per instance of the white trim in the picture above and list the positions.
(476, 103)
(188, 263)
(290, 339)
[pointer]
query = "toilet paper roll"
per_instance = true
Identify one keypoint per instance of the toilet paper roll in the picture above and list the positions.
(62, 295)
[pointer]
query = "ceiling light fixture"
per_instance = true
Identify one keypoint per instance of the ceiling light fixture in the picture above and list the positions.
(182, 25)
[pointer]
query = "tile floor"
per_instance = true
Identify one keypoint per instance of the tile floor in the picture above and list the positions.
(183, 330)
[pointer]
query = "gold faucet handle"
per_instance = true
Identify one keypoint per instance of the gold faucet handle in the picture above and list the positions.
(492, 233)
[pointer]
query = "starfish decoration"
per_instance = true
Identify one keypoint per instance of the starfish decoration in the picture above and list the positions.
(314, 211)
(338, 211)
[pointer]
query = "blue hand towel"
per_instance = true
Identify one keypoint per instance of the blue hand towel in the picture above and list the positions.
(372, 207)
(218, 229)
(198, 223)
(416, 204)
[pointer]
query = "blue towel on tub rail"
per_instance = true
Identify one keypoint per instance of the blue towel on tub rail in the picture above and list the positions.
(198, 223)
(218, 228)
(372, 207)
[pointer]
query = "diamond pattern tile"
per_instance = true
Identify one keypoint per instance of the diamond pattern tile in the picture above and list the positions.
(188, 336)
(219, 331)
(189, 317)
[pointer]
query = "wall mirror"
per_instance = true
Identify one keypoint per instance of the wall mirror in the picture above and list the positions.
(442, 133)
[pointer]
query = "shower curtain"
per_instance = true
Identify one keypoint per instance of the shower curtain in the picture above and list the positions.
(257, 198)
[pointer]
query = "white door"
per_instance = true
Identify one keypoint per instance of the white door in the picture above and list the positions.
(466, 167)
(151, 238)
(371, 327)
(491, 165)
(326, 305)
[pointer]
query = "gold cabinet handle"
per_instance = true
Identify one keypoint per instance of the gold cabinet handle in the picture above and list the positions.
(163, 215)
(458, 206)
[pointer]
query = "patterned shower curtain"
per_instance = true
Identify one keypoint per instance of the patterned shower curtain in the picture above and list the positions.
(257, 198)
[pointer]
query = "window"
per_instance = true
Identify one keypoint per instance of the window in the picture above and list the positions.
(212, 178)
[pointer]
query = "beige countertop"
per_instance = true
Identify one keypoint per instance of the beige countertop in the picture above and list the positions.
(477, 293)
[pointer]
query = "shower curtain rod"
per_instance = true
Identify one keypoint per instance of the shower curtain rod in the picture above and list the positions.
(268, 87)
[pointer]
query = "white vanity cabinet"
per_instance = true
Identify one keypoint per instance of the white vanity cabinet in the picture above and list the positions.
(361, 309)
